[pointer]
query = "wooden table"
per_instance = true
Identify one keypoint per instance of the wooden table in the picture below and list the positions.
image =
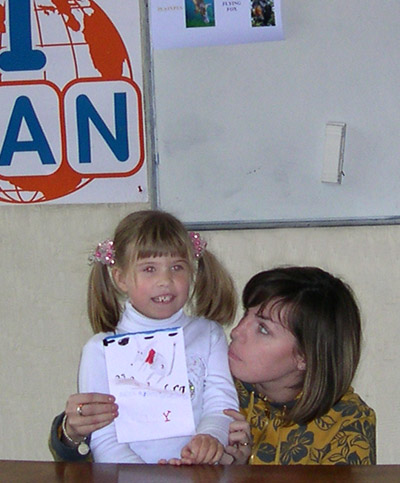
(49, 472)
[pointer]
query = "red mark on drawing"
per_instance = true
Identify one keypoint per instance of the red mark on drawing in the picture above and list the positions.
(166, 414)
(150, 356)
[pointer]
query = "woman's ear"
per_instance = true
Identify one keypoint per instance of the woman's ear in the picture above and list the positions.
(119, 278)
(301, 363)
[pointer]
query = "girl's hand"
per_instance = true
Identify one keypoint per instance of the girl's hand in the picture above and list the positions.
(202, 449)
(239, 449)
(97, 410)
(172, 461)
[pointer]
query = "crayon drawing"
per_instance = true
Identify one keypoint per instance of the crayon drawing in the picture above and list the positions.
(147, 374)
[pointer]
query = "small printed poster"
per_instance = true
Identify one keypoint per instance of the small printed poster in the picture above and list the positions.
(196, 23)
(148, 376)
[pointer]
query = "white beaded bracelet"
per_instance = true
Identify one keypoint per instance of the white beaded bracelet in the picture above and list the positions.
(81, 446)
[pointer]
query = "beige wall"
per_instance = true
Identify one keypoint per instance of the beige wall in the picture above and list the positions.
(43, 273)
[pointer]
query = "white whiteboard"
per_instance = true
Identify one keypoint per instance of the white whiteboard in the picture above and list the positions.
(240, 129)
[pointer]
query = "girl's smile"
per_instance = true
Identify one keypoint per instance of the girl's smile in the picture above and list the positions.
(163, 299)
(157, 287)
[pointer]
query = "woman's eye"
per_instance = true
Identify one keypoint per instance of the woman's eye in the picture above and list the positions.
(149, 269)
(263, 329)
(177, 268)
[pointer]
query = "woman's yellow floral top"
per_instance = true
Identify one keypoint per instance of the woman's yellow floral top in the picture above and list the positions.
(344, 435)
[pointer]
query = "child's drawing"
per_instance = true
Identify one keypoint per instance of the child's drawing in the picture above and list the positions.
(147, 374)
(158, 363)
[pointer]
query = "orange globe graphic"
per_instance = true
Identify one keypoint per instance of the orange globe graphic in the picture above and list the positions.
(81, 34)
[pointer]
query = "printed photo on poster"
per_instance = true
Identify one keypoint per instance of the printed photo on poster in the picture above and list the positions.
(199, 13)
(262, 13)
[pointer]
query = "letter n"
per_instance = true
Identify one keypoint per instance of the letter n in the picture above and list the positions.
(86, 112)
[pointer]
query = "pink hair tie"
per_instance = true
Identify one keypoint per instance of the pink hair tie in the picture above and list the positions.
(199, 245)
(104, 253)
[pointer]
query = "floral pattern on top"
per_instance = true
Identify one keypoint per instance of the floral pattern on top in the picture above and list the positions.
(344, 435)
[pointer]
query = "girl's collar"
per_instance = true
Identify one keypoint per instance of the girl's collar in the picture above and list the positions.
(132, 320)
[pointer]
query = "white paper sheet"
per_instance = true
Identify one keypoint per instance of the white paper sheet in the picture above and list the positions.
(147, 374)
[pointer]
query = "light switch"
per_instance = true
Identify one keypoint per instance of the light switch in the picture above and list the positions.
(332, 169)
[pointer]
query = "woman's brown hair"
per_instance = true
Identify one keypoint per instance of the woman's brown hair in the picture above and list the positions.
(321, 312)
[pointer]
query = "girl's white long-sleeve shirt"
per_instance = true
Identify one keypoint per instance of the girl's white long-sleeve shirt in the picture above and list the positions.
(212, 388)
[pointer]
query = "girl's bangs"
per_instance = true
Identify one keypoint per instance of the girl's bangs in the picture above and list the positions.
(148, 248)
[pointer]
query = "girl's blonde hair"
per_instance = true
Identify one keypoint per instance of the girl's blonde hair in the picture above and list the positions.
(153, 233)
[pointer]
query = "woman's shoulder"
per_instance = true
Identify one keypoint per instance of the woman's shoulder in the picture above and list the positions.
(350, 411)
(352, 404)
(347, 432)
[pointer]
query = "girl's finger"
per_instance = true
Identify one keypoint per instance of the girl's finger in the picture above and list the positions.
(236, 415)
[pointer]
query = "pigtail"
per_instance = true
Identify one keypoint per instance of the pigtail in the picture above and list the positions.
(103, 301)
(153, 233)
(214, 294)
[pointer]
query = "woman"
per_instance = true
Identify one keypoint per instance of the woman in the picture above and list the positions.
(294, 355)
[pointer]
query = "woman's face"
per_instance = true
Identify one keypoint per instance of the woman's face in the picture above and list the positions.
(264, 352)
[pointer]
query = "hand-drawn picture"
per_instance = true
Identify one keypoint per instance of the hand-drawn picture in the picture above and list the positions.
(200, 13)
(262, 13)
(147, 374)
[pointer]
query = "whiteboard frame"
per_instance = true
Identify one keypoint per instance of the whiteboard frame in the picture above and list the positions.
(256, 223)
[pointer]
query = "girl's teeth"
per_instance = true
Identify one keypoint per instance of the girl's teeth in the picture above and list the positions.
(163, 298)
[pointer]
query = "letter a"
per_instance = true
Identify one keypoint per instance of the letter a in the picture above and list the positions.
(23, 110)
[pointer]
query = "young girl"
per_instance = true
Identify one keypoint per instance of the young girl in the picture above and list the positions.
(158, 267)
(294, 355)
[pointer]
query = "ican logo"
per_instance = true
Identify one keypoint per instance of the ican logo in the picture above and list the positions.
(70, 109)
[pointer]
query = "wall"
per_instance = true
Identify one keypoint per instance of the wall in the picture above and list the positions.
(43, 269)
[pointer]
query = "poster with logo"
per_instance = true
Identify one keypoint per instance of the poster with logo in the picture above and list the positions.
(71, 117)
(197, 23)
